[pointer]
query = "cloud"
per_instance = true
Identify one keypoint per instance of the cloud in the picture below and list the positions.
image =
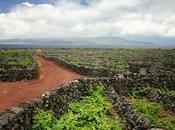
(69, 18)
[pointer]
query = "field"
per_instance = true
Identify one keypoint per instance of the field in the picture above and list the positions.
(124, 60)
(155, 108)
(95, 111)
(119, 89)
(15, 59)
(17, 65)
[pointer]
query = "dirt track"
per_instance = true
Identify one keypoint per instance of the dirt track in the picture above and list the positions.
(51, 76)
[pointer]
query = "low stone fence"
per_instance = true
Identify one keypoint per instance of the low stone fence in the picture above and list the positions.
(20, 118)
(130, 79)
(13, 75)
(57, 100)
(169, 101)
(86, 70)
(134, 120)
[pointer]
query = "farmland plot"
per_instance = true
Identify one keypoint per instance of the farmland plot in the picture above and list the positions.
(125, 60)
(131, 89)
(17, 65)
(15, 59)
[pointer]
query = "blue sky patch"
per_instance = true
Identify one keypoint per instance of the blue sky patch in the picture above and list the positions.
(6, 5)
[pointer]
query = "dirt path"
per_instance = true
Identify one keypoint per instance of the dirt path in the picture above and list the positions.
(51, 76)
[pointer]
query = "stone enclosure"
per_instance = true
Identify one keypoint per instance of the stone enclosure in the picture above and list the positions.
(20, 118)
(13, 75)
(116, 88)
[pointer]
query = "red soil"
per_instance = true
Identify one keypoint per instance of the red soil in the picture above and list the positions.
(51, 75)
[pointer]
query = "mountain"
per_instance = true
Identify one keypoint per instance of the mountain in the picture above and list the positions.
(95, 42)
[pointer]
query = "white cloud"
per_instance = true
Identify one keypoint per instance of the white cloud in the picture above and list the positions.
(104, 18)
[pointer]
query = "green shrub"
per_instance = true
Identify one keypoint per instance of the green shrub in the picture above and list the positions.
(94, 112)
(16, 58)
(76, 62)
(165, 90)
(142, 91)
(151, 111)
(43, 120)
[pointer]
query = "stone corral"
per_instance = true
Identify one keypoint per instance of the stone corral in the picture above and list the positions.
(19, 74)
(86, 70)
(156, 96)
(139, 75)
(117, 87)
(134, 120)
(20, 118)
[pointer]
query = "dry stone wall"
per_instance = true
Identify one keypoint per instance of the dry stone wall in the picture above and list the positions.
(57, 100)
(13, 75)
(130, 80)
(20, 118)
(86, 70)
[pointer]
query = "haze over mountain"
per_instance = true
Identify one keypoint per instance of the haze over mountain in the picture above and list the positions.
(95, 42)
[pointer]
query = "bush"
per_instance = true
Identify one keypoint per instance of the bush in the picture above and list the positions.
(94, 112)
(151, 111)
(43, 120)
(143, 91)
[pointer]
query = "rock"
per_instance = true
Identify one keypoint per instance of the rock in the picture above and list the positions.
(16, 109)
(155, 129)
(142, 71)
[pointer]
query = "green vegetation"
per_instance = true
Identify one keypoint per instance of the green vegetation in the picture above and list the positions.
(43, 120)
(76, 62)
(142, 91)
(159, 60)
(15, 58)
(152, 111)
(94, 112)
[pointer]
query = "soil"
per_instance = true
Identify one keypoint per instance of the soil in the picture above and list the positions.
(51, 75)
(165, 113)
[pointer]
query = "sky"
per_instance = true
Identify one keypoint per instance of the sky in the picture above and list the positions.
(38, 19)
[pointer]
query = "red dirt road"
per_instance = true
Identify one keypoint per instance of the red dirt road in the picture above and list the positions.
(51, 76)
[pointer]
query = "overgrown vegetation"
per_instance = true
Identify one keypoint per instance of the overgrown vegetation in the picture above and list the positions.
(94, 112)
(15, 58)
(155, 113)
(158, 60)
(43, 120)
(142, 91)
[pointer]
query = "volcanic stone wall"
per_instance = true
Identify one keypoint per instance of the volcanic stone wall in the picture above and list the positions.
(86, 70)
(20, 118)
(134, 120)
(19, 74)
(57, 100)
(156, 96)
(139, 79)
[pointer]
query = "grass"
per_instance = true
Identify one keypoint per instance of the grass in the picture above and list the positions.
(151, 111)
(94, 112)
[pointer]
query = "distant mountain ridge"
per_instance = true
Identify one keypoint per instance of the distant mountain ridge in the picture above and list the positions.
(95, 42)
